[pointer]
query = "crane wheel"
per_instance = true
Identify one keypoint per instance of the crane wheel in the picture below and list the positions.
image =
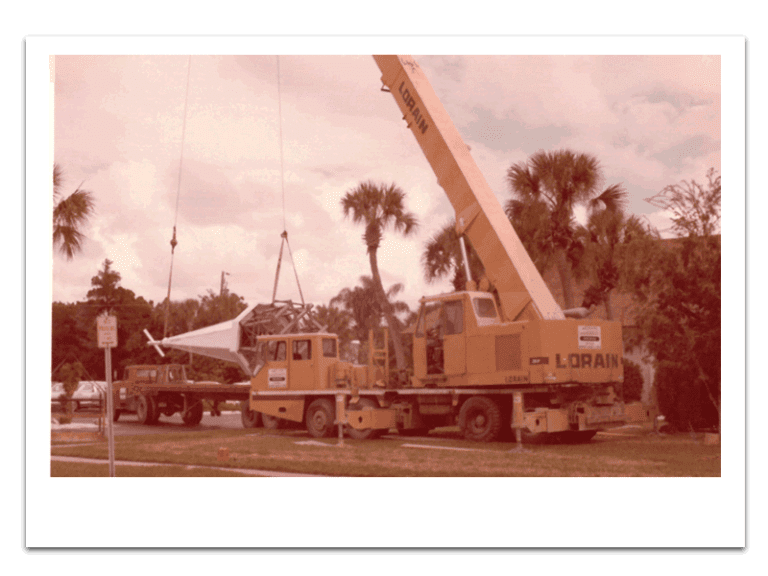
(368, 433)
(320, 417)
(271, 422)
(250, 418)
(480, 419)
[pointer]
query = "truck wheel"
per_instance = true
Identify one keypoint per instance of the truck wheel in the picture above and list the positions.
(115, 415)
(194, 415)
(368, 433)
(271, 422)
(320, 416)
(145, 410)
(250, 418)
(480, 419)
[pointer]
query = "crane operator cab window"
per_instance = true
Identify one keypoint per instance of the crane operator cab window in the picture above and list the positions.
(446, 319)
(302, 349)
(485, 311)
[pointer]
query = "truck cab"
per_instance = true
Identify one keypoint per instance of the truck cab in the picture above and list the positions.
(295, 361)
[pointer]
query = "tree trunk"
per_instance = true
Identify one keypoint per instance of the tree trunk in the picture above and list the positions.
(608, 307)
(394, 333)
(564, 270)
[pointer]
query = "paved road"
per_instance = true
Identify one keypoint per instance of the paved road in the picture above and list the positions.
(128, 424)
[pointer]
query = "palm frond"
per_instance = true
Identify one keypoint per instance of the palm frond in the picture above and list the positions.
(613, 198)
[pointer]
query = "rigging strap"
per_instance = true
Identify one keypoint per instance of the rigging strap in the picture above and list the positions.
(285, 242)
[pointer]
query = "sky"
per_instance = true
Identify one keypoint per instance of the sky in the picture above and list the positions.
(651, 121)
(653, 110)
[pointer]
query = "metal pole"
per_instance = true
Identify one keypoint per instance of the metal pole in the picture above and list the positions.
(110, 411)
(341, 418)
(466, 260)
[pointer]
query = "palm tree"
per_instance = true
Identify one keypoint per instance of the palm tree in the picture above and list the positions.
(70, 214)
(607, 237)
(364, 307)
(559, 181)
(532, 224)
(379, 207)
(442, 256)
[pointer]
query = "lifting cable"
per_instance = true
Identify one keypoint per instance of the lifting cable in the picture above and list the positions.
(178, 193)
(284, 235)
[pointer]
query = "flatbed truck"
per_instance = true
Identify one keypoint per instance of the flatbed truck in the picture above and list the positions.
(154, 390)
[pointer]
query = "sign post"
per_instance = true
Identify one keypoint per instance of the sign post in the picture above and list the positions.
(106, 330)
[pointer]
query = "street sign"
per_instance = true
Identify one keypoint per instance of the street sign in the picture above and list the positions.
(106, 334)
(106, 330)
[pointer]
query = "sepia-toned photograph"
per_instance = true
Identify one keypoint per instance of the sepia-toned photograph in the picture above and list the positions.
(432, 268)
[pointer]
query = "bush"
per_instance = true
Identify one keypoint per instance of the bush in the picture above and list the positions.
(683, 399)
(633, 382)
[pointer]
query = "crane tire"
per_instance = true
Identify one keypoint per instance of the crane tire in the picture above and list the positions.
(320, 418)
(480, 419)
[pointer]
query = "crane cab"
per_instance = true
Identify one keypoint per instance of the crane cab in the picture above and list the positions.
(460, 339)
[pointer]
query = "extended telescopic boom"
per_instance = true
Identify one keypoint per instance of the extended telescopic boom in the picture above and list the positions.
(479, 216)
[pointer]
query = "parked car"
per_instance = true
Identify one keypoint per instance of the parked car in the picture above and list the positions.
(57, 391)
(88, 394)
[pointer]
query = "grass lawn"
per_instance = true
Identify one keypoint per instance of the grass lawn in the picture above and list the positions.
(442, 453)
(92, 470)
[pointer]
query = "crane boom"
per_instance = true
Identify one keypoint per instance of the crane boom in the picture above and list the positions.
(479, 216)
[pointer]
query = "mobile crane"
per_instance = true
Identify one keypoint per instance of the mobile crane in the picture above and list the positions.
(491, 362)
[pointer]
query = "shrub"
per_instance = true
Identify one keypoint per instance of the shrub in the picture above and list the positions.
(633, 382)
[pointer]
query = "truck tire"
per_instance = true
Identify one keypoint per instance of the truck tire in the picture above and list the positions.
(145, 410)
(194, 413)
(480, 419)
(250, 418)
(115, 415)
(319, 418)
(271, 422)
(368, 433)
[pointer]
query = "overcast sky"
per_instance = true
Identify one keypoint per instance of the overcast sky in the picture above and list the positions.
(650, 120)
